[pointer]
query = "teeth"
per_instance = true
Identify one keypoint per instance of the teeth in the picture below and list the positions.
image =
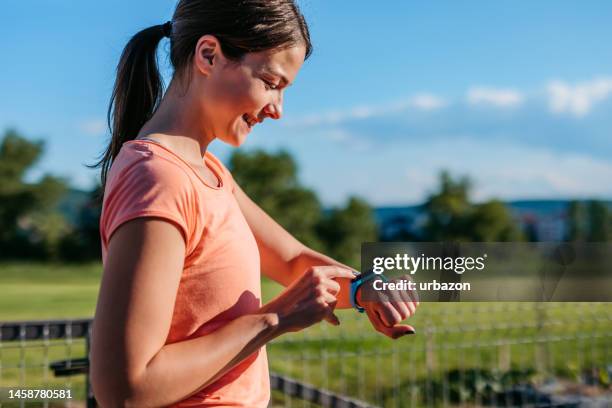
(248, 120)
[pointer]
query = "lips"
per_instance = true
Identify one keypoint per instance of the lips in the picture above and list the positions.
(249, 120)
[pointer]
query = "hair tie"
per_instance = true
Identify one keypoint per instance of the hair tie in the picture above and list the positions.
(167, 29)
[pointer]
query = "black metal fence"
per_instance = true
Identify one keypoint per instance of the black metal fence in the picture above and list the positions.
(492, 354)
(33, 335)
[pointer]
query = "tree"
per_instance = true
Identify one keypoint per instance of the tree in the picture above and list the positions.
(270, 179)
(588, 221)
(83, 242)
(598, 220)
(344, 229)
(576, 222)
(29, 227)
(447, 210)
(452, 217)
(491, 221)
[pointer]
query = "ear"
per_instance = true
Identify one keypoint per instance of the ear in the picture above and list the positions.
(207, 54)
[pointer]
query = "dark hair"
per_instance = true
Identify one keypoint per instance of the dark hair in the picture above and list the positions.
(241, 26)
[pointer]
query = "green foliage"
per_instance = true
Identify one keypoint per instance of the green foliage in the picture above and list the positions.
(491, 222)
(576, 221)
(264, 174)
(448, 210)
(588, 221)
(28, 225)
(271, 181)
(344, 229)
(473, 384)
(452, 217)
(18, 155)
(83, 242)
(598, 221)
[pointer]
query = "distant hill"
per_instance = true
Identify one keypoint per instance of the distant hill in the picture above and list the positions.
(539, 207)
(547, 216)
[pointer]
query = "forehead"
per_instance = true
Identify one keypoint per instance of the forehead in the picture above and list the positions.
(285, 62)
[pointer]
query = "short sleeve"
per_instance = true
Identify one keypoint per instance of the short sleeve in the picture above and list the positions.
(151, 186)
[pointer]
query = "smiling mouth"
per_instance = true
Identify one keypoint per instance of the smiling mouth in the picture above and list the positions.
(249, 120)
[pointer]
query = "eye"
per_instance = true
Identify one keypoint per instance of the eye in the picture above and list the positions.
(269, 85)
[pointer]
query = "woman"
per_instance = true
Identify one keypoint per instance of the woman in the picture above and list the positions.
(179, 318)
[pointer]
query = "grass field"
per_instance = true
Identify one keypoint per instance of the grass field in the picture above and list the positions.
(495, 342)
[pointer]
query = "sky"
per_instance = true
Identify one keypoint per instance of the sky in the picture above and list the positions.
(516, 95)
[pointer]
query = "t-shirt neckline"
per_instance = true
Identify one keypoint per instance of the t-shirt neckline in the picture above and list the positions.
(202, 179)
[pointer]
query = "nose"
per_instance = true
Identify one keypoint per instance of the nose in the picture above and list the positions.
(274, 109)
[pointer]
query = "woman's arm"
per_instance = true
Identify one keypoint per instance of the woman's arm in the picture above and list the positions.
(283, 257)
(130, 365)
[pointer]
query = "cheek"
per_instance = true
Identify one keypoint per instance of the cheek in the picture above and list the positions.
(244, 94)
(249, 97)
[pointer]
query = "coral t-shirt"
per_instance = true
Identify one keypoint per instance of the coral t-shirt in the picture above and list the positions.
(221, 275)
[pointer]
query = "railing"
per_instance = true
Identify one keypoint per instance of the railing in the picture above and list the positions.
(496, 354)
(22, 336)
(45, 341)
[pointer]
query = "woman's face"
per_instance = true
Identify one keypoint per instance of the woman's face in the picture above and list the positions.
(239, 95)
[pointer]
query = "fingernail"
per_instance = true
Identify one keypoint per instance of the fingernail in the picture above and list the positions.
(409, 332)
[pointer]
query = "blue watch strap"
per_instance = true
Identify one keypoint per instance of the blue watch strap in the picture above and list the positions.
(356, 284)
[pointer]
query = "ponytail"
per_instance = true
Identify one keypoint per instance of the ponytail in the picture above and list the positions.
(136, 94)
(240, 26)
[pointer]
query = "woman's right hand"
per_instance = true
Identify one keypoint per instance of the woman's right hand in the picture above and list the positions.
(309, 299)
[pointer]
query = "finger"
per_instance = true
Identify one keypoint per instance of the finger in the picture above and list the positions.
(330, 299)
(334, 272)
(325, 305)
(332, 319)
(405, 309)
(387, 313)
(414, 295)
(410, 295)
(397, 331)
(330, 316)
(393, 332)
(404, 295)
(332, 286)
(414, 298)
(405, 298)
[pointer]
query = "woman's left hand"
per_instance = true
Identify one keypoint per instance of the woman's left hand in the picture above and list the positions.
(386, 309)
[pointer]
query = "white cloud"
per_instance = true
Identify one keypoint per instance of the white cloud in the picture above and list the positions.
(578, 99)
(406, 173)
(427, 102)
(424, 102)
(494, 168)
(92, 127)
(501, 98)
(357, 112)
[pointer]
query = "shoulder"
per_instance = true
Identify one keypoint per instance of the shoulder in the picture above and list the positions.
(143, 182)
(142, 165)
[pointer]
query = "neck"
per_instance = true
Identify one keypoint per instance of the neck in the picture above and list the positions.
(178, 124)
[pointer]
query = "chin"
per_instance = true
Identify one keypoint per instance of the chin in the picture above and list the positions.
(234, 140)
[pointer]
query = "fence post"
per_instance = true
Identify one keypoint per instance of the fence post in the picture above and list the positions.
(91, 400)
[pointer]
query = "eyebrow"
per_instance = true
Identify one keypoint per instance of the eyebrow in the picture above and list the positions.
(283, 78)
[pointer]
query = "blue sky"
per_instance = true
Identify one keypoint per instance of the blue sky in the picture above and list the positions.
(515, 94)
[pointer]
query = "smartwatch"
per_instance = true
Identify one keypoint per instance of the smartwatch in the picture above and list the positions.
(357, 281)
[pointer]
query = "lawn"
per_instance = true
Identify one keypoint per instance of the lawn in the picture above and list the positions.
(498, 343)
